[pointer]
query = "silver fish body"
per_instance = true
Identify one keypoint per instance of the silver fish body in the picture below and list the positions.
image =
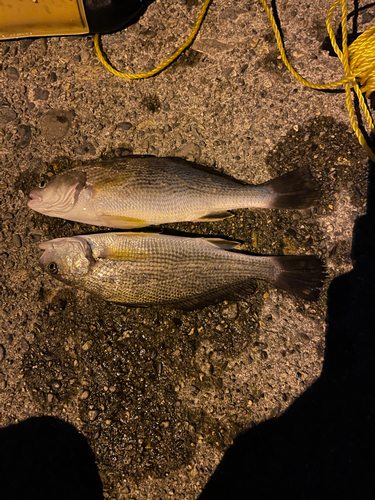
(138, 191)
(144, 269)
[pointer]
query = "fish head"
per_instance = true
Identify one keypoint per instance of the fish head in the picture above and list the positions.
(67, 259)
(57, 196)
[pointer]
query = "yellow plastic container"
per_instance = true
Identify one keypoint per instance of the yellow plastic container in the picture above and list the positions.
(35, 18)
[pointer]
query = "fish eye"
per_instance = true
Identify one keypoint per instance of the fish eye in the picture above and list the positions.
(42, 184)
(52, 268)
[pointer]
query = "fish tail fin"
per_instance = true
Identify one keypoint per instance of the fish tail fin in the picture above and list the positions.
(297, 189)
(302, 276)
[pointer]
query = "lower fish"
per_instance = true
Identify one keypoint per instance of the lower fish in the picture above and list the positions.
(138, 191)
(145, 269)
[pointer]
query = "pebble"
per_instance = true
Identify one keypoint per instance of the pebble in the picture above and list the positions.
(119, 152)
(12, 73)
(24, 131)
(124, 126)
(25, 346)
(159, 368)
(41, 94)
(17, 240)
(3, 381)
(189, 151)
(268, 84)
(55, 124)
(231, 311)
(85, 149)
(2, 353)
(35, 238)
(6, 115)
(84, 395)
(366, 17)
(93, 414)
(86, 346)
(52, 77)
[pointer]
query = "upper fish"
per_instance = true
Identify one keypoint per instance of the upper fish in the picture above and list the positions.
(142, 269)
(138, 191)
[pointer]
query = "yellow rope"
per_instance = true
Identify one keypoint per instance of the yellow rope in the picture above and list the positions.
(358, 61)
(165, 63)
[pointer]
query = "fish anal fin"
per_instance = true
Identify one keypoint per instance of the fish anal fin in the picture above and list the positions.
(224, 244)
(121, 222)
(232, 291)
(214, 216)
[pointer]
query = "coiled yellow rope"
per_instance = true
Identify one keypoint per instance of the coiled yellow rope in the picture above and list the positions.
(162, 66)
(358, 61)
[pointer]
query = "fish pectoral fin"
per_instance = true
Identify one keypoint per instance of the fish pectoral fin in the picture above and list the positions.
(122, 254)
(121, 222)
(224, 244)
(214, 216)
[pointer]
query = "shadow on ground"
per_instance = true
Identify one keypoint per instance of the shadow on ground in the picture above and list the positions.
(321, 447)
(44, 458)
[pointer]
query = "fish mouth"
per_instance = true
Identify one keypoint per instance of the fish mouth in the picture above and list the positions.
(36, 199)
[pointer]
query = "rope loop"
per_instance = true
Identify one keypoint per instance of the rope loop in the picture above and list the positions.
(358, 61)
(162, 66)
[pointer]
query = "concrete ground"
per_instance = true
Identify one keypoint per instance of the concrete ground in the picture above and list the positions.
(158, 395)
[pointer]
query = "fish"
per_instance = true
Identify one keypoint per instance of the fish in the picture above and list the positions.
(182, 272)
(139, 191)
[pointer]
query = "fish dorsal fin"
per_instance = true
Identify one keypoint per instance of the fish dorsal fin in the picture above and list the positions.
(224, 244)
(214, 216)
(122, 222)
